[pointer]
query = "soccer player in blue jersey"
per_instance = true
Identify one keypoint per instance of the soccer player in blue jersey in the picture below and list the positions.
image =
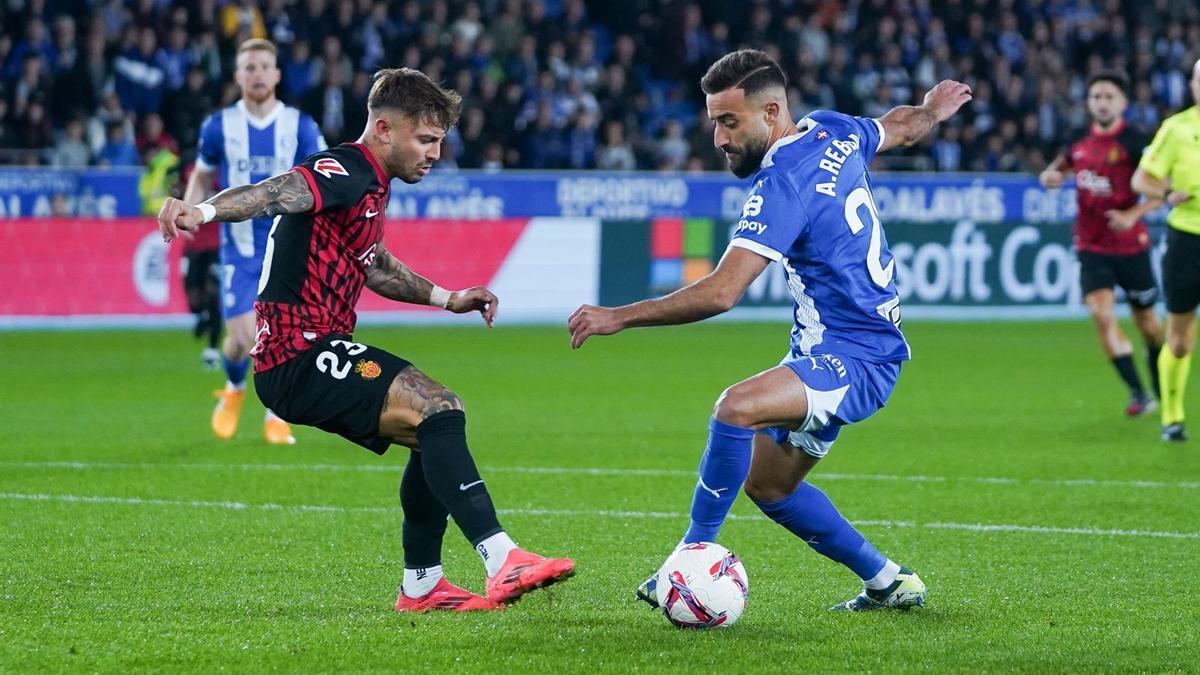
(810, 210)
(250, 141)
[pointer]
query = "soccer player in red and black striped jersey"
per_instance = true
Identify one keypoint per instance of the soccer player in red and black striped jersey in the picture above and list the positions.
(325, 245)
(1111, 240)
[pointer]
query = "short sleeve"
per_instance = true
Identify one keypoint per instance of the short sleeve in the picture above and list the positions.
(338, 177)
(211, 148)
(772, 219)
(868, 130)
(1160, 155)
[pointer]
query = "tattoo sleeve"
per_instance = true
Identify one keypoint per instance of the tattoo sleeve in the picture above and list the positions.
(277, 195)
(907, 124)
(392, 279)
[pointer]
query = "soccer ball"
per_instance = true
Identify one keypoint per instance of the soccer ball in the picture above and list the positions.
(702, 586)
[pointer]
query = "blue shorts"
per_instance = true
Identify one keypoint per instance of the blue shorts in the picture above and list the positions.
(242, 247)
(841, 390)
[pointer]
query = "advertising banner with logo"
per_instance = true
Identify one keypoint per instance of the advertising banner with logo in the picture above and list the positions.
(78, 272)
(958, 269)
(85, 193)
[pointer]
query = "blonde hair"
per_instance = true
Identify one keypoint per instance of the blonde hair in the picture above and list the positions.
(258, 44)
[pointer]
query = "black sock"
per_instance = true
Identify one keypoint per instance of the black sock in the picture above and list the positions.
(1124, 366)
(1152, 363)
(424, 517)
(452, 476)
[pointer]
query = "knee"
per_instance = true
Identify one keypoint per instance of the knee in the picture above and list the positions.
(1179, 345)
(767, 491)
(734, 408)
(439, 402)
(1104, 318)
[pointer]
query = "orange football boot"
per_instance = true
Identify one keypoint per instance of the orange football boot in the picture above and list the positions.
(523, 572)
(445, 596)
(277, 432)
(229, 409)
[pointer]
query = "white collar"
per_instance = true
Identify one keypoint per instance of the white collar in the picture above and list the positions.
(803, 126)
(260, 122)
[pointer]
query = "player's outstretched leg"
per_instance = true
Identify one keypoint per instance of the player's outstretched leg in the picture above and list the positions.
(726, 458)
(425, 587)
(777, 487)
(417, 402)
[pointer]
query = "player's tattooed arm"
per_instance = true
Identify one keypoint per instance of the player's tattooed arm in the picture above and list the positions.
(394, 280)
(278, 195)
(709, 296)
(907, 124)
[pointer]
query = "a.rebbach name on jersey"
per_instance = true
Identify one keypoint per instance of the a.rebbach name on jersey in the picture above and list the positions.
(811, 210)
(243, 149)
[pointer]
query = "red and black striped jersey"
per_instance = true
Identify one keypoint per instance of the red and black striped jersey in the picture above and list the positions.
(316, 263)
(1104, 163)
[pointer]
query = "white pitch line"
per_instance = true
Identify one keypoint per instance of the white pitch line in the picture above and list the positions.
(601, 471)
(569, 513)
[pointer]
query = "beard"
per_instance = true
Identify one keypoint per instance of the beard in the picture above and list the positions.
(746, 160)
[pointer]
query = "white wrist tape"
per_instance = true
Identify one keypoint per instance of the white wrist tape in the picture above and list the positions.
(439, 297)
(207, 211)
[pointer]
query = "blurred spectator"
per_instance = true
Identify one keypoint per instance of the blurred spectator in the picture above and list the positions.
(139, 79)
(71, 150)
(299, 71)
(242, 20)
(118, 149)
(672, 150)
(328, 105)
(615, 154)
(154, 136)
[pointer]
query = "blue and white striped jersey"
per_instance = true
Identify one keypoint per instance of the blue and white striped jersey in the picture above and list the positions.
(243, 149)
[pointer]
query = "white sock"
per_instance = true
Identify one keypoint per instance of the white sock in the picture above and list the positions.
(271, 416)
(494, 550)
(231, 387)
(418, 582)
(885, 578)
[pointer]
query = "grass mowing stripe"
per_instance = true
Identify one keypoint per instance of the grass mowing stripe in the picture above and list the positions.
(604, 471)
(601, 513)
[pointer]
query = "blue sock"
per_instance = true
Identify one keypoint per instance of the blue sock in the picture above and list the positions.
(808, 514)
(236, 370)
(723, 469)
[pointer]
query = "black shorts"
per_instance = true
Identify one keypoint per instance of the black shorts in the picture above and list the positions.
(1181, 271)
(1133, 273)
(200, 267)
(337, 386)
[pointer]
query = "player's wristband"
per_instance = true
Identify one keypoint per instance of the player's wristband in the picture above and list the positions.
(439, 297)
(207, 211)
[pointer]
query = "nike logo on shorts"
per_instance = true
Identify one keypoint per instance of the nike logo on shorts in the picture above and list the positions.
(467, 486)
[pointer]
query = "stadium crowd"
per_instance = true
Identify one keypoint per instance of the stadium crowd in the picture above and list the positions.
(581, 84)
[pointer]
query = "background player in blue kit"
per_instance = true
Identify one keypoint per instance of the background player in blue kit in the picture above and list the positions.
(250, 141)
(810, 209)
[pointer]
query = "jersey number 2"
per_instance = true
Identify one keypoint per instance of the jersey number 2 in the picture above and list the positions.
(858, 198)
(327, 361)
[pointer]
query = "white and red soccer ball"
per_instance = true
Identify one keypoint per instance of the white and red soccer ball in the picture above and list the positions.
(702, 586)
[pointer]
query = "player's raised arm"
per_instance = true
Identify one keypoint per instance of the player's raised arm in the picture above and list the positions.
(907, 124)
(392, 279)
(286, 193)
(712, 295)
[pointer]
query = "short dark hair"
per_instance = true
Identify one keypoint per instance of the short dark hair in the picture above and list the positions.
(748, 69)
(411, 93)
(1116, 78)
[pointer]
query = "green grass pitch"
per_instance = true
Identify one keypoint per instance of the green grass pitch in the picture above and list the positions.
(1054, 534)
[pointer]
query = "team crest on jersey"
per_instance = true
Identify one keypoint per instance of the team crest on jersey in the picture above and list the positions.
(1114, 156)
(330, 167)
(369, 370)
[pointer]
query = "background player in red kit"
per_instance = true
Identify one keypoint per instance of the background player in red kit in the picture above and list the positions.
(1111, 240)
(325, 244)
